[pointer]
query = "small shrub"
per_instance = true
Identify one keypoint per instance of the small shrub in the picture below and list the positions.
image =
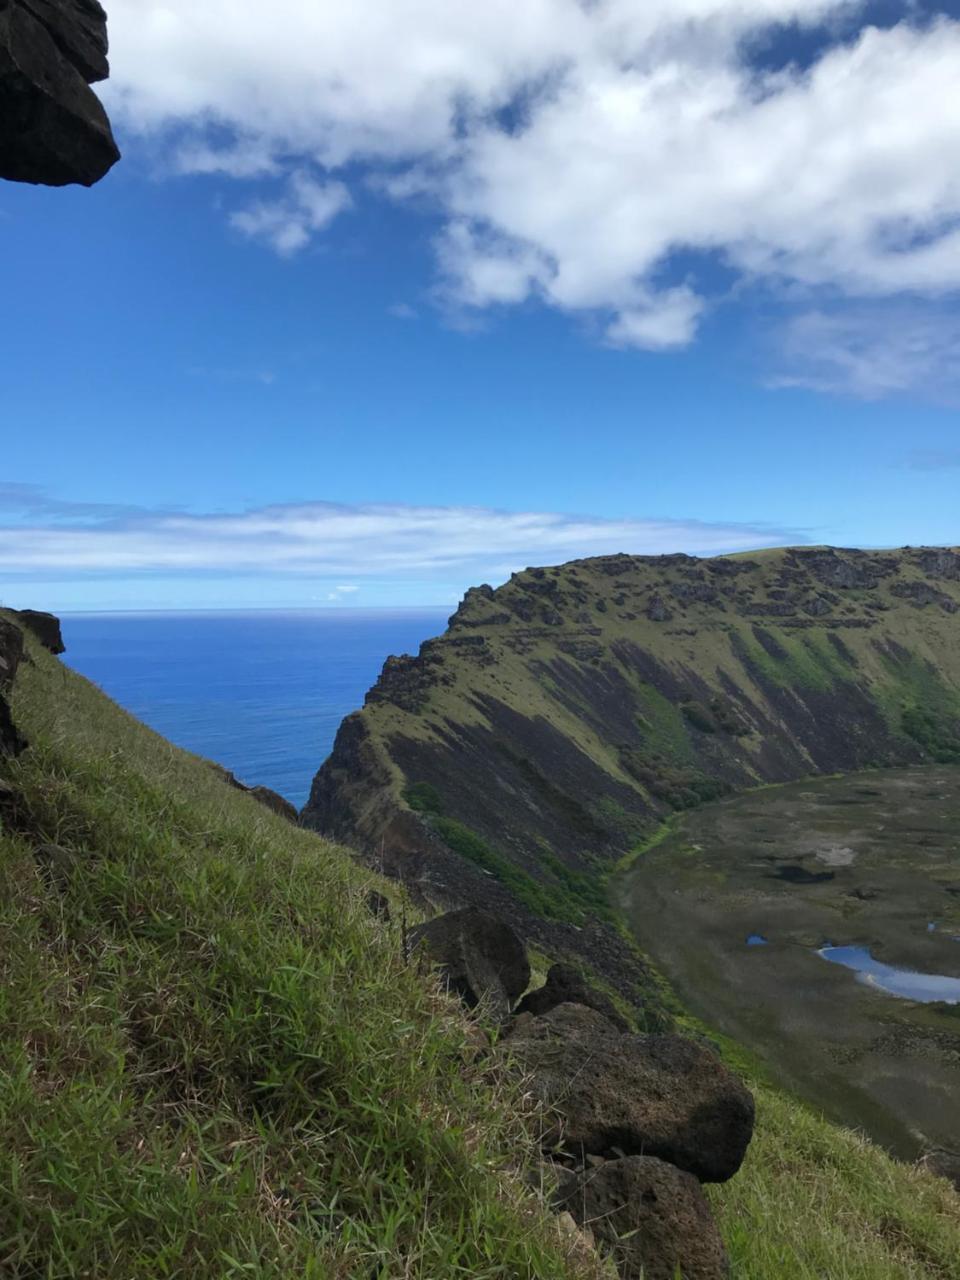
(424, 798)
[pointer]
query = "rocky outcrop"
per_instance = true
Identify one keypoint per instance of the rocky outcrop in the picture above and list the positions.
(11, 653)
(630, 1124)
(653, 1218)
(664, 1096)
(567, 985)
(478, 956)
(55, 131)
(45, 626)
(273, 800)
(270, 799)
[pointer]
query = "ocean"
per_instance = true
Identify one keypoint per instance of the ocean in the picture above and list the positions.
(262, 693)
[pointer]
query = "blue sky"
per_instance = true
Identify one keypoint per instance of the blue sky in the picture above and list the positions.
(310, 344)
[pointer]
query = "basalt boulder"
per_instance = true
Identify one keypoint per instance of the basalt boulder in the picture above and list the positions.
(652, 1217)
(479, 957)
(567, 985)
(11, 652)
(45, 626)
(55, 131)
(273, 800)
(657, 1095)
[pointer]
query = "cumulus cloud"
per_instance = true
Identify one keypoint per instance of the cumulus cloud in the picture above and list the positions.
(288, 224)
(575, 148)
(346, 543)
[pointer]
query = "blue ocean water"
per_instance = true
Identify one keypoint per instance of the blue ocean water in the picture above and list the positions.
(262, 693)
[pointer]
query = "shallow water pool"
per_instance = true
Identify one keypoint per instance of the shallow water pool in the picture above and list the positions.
(926, 988)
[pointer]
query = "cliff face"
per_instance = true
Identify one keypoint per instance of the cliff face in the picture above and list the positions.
(565, 714)
(54, 130)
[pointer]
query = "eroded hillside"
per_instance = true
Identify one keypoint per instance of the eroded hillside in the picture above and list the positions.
(564, 715)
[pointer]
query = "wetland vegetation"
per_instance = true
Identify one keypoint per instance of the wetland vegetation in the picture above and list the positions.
(861, 866)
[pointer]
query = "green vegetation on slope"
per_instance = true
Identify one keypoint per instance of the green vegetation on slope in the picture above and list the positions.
(817, 1202)
(569, 895)
(215, 1062)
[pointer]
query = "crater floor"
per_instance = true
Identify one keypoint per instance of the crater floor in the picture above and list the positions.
(866, 860)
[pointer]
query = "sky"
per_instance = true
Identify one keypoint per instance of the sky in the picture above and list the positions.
(388, 299)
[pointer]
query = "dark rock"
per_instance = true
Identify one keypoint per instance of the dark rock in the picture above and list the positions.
(11, 742)
(657, 610)
(818, 607)
(273, 800)
(701, 592)
(939, 562)
(659, 1095)
(378, 905)
(920, 594)
(942, 1164)
(55, 130)
(843, 568)
(566, 985)
(479, 956)
(11, 653)
(45, 626)
(79, 30)
(654, 1219)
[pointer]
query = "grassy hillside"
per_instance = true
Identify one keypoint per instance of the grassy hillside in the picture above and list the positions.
(818, 1202)
(216, 1064)
(214, 1060)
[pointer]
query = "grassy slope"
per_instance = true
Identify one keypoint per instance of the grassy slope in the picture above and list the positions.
(215, 1062)
(817, 1202)
(216, 1065)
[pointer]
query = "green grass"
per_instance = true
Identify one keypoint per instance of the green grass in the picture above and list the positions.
(817, 1202)
(558, 900)
(808, 663)
(215, 1062)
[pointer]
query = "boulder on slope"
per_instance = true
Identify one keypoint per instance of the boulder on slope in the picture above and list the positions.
(657, 1095)
(11, 651)
(479, 957)
(567, 985)
(653, 1218)
(55, 130)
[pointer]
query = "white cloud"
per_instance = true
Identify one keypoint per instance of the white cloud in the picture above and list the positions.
(288, 224)
(346, 543)
(872, 352)
(574, 147)
(667, 321)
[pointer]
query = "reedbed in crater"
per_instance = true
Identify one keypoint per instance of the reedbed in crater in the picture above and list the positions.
(736, 906)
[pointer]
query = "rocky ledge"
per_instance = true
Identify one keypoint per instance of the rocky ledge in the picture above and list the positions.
(55, 130)
(633, 1124)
